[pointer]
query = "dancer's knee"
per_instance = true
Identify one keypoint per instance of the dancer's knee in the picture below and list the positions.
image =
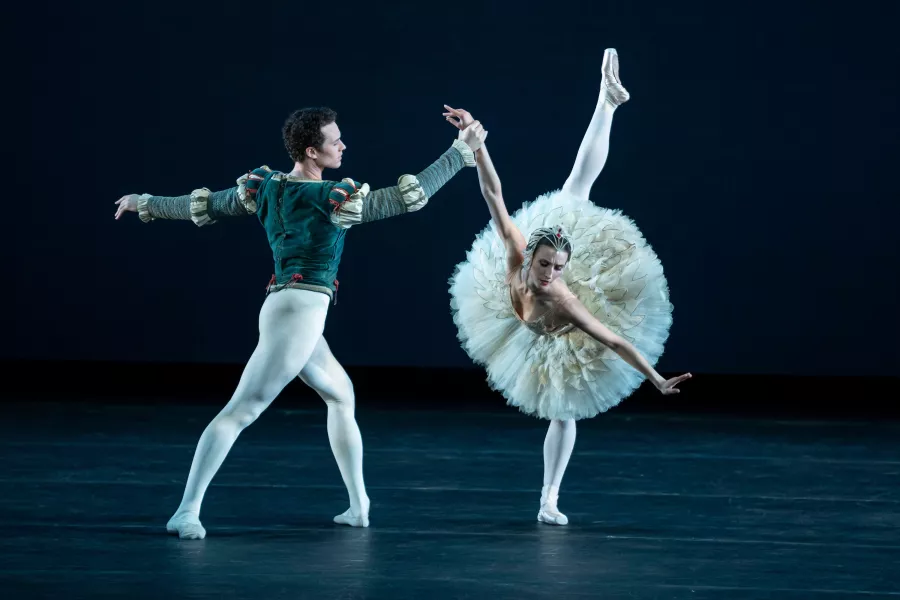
(342, 399)
(563, 424)
(243, 413)
(333, 386)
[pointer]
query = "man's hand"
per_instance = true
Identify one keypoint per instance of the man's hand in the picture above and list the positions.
(473, 135)
(458, 117)
(127, 203)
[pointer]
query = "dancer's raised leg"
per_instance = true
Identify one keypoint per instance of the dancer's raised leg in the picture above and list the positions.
(290, 324)
(594, 147)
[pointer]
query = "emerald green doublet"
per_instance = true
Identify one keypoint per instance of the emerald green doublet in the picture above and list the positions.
(296, 214)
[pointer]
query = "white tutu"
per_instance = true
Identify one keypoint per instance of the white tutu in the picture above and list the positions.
(612, 270)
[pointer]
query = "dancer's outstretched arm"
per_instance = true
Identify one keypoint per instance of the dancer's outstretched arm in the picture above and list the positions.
(576, 313)
(355, 203)
(492, 191)
(493, 195)
(200, 206)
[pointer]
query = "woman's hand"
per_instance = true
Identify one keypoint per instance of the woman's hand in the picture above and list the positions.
(667, 388)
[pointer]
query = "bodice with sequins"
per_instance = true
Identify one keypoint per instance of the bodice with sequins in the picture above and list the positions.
(539, 325)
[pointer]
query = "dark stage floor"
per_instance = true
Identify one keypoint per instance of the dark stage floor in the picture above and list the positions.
(659, 507)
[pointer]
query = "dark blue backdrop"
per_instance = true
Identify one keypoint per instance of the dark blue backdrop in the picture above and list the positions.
(755, 155)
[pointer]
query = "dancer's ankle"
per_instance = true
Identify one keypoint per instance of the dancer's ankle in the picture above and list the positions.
(187, 510)
(361, 506)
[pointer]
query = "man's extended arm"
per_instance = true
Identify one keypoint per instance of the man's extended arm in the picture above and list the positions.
(203, 206)
(358, 204)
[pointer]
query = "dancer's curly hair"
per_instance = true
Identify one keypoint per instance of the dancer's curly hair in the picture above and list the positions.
(303, 128)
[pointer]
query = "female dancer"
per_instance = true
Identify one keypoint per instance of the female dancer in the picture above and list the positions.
(570, 321)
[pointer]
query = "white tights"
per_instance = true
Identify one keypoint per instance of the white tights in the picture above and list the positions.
(291, 323)
(560, 440)
(558, 447)
(594, 149)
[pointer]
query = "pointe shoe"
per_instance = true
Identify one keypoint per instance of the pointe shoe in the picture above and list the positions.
(548, 512)
(615, 92)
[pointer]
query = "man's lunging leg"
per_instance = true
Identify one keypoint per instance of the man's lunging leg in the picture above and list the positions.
(290, 324)
(324, 374)
(594, 147)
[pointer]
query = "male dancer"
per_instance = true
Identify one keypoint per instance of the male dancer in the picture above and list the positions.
(305, 219)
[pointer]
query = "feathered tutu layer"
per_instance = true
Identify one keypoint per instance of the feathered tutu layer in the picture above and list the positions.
(613, 271)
